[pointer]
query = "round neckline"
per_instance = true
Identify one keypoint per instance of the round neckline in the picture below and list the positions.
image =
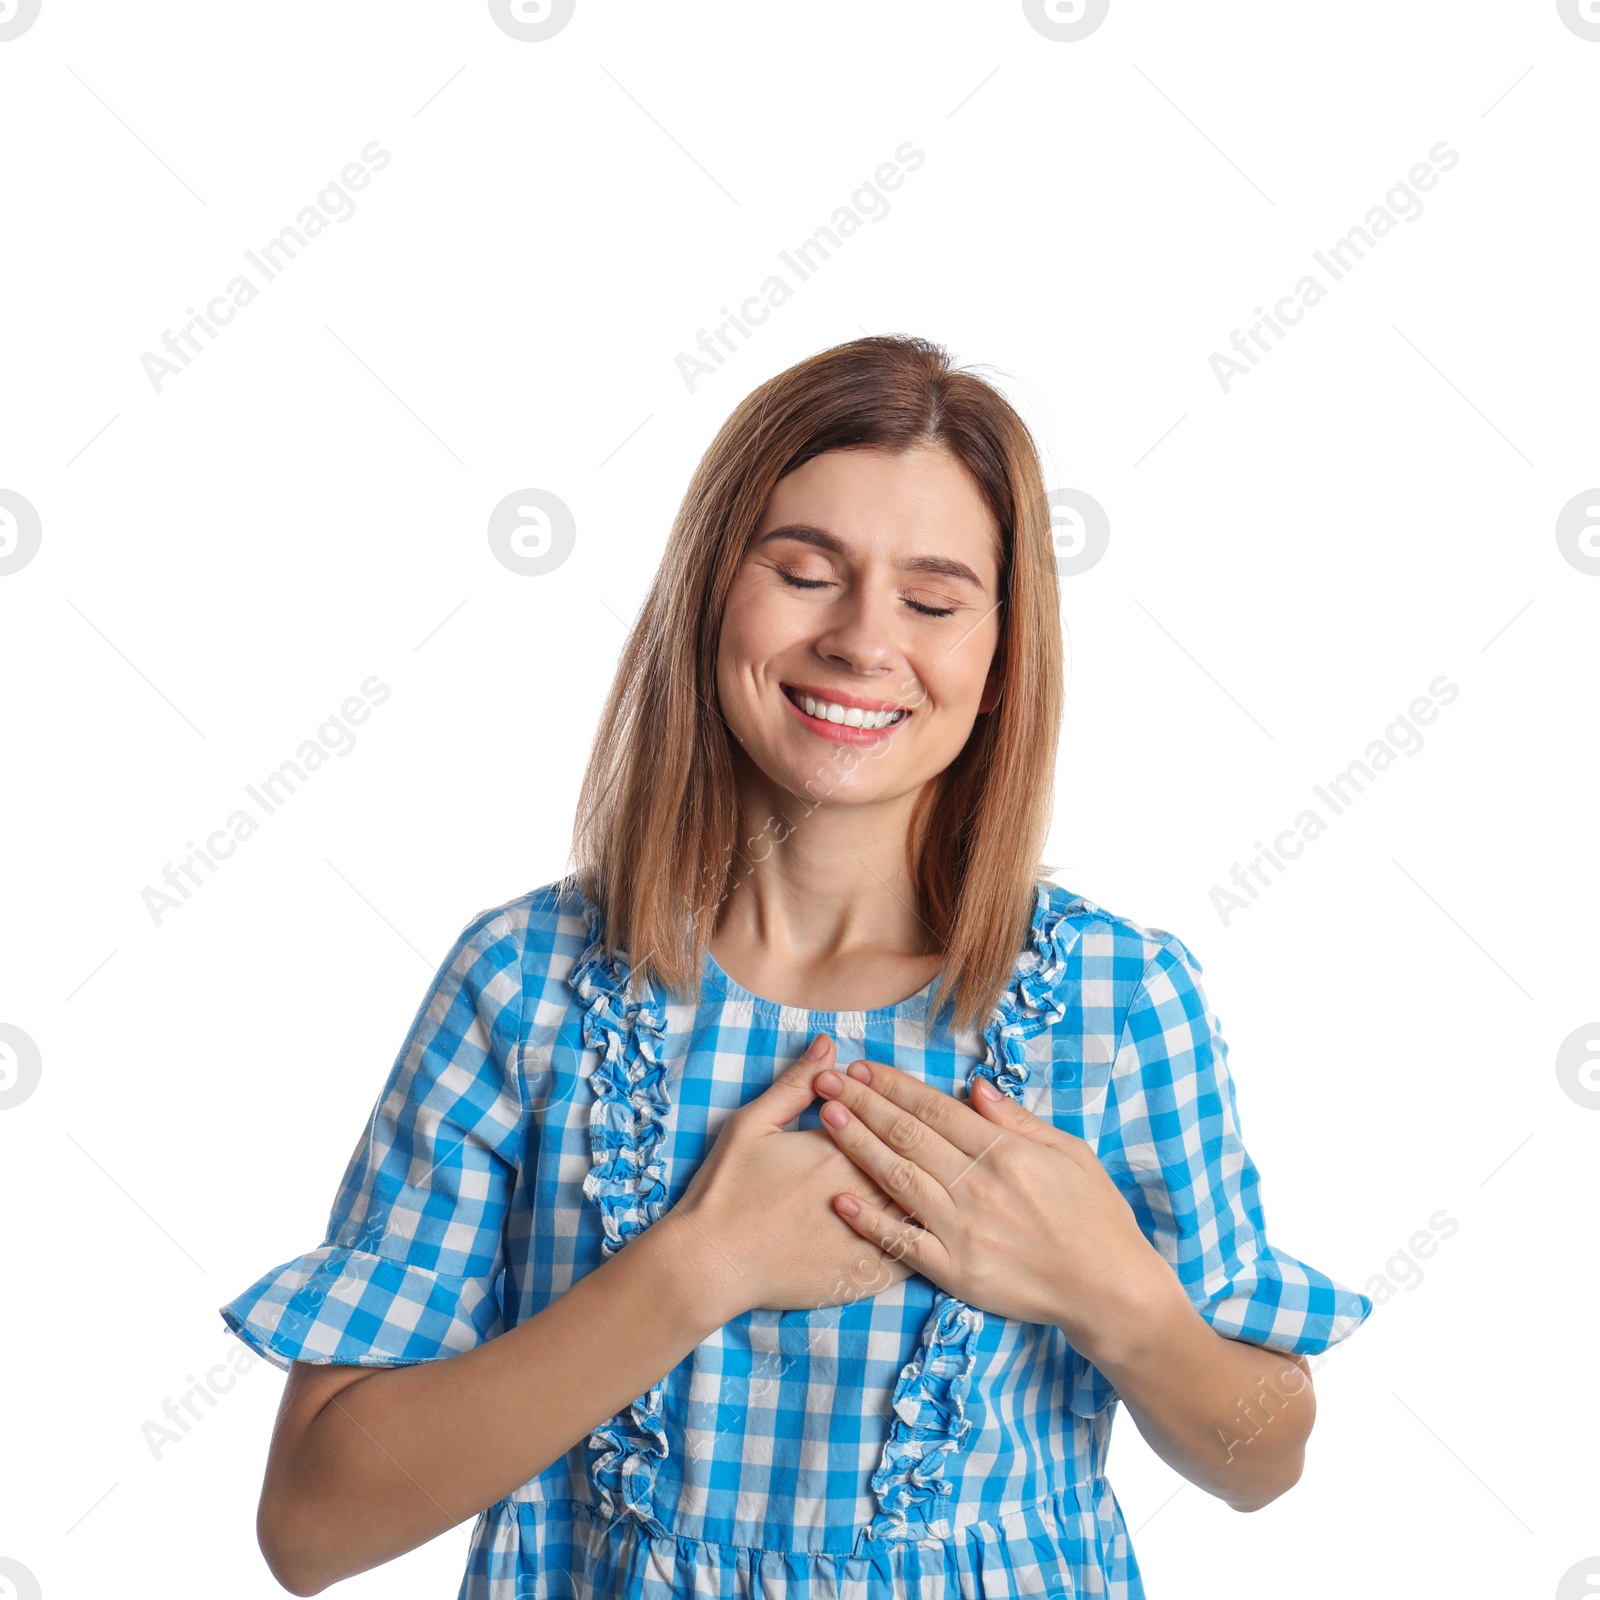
(914, 1005)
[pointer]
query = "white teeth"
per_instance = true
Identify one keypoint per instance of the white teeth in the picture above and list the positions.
(851, 716)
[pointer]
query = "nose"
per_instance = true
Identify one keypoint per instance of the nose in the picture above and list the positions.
(861, 633)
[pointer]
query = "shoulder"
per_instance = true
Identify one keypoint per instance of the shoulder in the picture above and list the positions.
(1138, 1020)
(543, 927)
(554, 933)
(1109, 959)
(1103, 936)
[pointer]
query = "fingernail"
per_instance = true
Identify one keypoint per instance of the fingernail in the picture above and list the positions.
(859, 1069)
(986, 1089)
(816, 1047)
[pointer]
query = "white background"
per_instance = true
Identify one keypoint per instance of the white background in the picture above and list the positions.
(1291, 563)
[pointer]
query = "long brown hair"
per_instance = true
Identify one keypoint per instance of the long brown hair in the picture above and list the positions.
(654, 844)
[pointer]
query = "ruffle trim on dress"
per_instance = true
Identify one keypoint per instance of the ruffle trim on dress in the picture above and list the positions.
(627, 1181)
(929, 1399)
(627, 1130)
(1033, 1004)
(1034, 1000)
(931, 1424)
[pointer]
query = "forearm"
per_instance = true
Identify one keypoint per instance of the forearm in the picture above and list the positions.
(401, 1454)
(1232, 1417)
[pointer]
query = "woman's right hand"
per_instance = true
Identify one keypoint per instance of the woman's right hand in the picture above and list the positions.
(762, 1202)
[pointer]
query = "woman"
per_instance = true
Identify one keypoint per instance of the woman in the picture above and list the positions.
(674, 1302)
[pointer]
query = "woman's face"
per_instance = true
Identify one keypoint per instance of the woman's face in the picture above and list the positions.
(872, 579)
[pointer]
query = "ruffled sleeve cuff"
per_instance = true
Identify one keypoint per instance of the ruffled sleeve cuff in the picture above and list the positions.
(1286, 1305)
(1276, 1301)
(338, 1305)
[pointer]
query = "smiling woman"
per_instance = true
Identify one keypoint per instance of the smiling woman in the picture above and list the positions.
(682, 1309)
(870, 529)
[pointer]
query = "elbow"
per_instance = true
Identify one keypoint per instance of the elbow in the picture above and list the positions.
(295, 1584)
(281, 1564)
(288, 1552)
(286, 1567)
(292, 1574)
(1290, 1475)
(1288, 1464)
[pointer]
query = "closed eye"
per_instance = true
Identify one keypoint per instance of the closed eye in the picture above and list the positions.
(821, 583)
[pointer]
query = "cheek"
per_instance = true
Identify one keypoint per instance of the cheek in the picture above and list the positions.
(756, 626)
(952, 688)
(750, 635)
(735, 629)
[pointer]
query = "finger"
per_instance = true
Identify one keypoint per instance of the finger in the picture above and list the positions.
(900, 1176)
(1007, 1113)
(863, 1188)
(899, 1127)
(955, 1121)
(903, 1239)
(791, 1091)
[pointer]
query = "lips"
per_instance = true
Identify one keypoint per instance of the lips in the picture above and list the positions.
(840, 732)
(840, 697)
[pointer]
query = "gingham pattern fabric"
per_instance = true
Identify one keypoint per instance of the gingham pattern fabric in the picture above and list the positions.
(547, 1106)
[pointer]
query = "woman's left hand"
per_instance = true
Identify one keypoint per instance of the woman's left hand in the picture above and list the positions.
(1007, 1212)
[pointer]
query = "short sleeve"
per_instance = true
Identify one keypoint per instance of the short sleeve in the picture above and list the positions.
(1170, 1140)
(410, 1263)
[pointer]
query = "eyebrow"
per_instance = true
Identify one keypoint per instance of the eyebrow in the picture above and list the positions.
(821, 539)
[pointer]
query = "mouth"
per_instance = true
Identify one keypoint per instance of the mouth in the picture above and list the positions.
(844, 711)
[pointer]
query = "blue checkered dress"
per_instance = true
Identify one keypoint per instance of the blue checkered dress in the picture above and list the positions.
(544, 1109)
